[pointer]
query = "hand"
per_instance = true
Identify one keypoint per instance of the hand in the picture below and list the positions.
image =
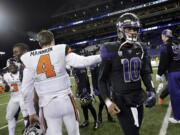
(96, 92)
(160, 87)
(33, 119)
(159, 78)
(151, 99)
(113, 109)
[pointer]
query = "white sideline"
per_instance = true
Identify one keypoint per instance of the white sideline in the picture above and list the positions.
(7, 125)
(165, 123)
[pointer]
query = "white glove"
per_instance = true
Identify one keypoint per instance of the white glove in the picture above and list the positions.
(159, 78)
(160, 87)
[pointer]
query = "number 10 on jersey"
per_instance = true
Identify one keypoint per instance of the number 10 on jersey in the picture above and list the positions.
(131, 69)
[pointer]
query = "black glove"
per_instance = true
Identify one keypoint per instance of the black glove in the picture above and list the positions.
(151, 99)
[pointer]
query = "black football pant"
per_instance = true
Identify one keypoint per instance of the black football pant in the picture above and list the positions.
(165, 92)
(101, 106)
(85, 112)
(126, 119)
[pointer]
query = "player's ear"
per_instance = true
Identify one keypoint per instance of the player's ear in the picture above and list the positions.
(53, 42)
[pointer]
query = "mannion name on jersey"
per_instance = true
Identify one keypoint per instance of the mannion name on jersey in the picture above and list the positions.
(39, 52)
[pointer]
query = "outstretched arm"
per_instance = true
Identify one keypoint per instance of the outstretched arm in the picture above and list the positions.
(79, 61)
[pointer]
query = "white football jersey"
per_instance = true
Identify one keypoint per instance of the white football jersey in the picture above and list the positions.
(50, 76)
(13, 80)
(45, 69)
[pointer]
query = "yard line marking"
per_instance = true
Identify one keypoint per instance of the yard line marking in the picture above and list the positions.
(164, 126)
(5, 95)
(3, 104)
(7, 125)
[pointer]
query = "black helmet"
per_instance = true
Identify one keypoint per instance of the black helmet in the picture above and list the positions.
(127, 20)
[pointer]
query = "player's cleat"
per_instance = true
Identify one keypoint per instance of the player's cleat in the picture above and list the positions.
(96, 125)
(100, 119)
(173, 120)
(110, 119)
(161, 101)
(84, 124)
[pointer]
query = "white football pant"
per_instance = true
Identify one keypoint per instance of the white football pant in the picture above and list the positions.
(61, 110)
(12, 109)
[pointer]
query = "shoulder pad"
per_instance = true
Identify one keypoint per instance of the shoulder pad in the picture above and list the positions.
(109, 50)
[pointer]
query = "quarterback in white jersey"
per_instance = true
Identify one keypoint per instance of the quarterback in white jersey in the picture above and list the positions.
(45, 69)
(12, 78)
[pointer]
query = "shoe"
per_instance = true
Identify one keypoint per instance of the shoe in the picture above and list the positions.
(96, 125)
(84, 124)
(110, 119)
(173, 120)
(100, 119)
(161, 101)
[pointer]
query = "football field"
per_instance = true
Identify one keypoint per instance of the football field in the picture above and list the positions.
(154, 123)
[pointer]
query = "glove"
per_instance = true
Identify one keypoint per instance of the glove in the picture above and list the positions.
(159, 88)
(159, 78)
(96, 92)
(151, 99)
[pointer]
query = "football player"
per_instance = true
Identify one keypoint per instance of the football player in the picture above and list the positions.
(94, 75)
(12, 78)
(170, 62)
(45, 69)
(84, 93)
(166, 37)
(124, 63)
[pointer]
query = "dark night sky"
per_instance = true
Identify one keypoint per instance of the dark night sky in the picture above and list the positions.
(17, 17)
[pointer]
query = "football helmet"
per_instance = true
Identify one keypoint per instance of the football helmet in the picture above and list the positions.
(128, 21)
(167, 33)
(86, 100)
(33, 130)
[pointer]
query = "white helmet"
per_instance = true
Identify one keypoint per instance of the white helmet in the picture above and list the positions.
(33, 130)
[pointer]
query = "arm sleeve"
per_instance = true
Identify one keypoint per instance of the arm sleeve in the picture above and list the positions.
(28, 90)
(103, 79)
(78, 61)
(146, 71)
(163, 62)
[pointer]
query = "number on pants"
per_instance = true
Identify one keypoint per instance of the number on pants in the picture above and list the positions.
(131, 69)
(45, 66)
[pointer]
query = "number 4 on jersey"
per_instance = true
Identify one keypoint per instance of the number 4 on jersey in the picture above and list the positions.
(45, 66)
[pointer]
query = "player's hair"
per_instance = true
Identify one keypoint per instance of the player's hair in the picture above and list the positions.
(45, 37)
(22, 46)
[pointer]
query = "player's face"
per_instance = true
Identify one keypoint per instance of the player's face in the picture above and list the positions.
(17, 52)
(131, 32)
(164, 38)
(13, 68)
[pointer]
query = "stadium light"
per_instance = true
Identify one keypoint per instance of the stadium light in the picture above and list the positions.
(3, 20)
(2, 53)
(115, 35)
(109, 14)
